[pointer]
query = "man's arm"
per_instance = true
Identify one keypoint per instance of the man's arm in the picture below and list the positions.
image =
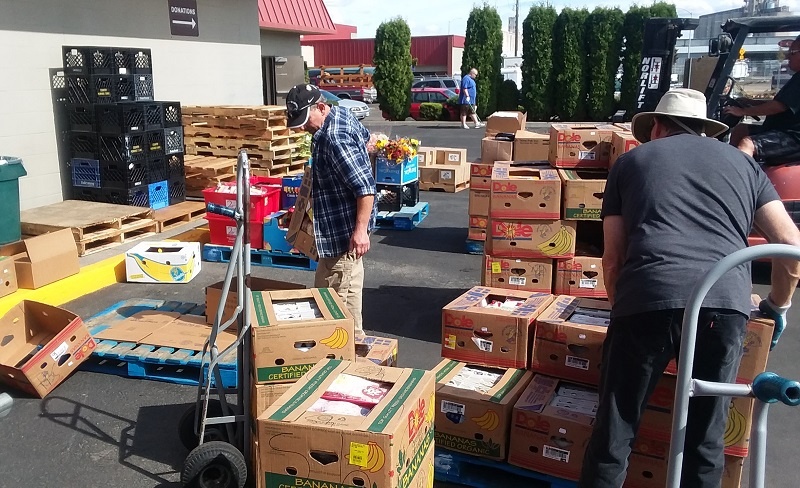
(774, 223)
(360, 240)
(615, 244)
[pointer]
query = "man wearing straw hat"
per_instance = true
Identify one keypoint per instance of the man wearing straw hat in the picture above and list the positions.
(673, 207)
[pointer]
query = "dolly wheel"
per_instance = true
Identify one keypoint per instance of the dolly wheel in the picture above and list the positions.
(214, 465)
(213, 432)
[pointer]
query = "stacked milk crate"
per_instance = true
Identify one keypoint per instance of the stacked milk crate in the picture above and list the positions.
(124, 147)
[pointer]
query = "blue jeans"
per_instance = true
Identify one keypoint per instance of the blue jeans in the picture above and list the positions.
(636, 351)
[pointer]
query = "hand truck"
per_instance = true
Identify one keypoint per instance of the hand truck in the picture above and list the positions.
(216, 431)
(766, 388)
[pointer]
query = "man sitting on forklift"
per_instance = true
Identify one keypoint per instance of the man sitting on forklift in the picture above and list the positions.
(777, 140)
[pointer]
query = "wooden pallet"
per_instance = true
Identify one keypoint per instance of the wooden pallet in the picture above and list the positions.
(445, 187)
(105, 239)
(209, 166)
(84, 218)
(284, 153)
(178, 214)
(235, 110)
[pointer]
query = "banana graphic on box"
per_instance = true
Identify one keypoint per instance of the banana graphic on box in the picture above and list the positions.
(163, 262)
(560, 243)
(488, 421)
(736, 428)
(337, 340)
(375, 458)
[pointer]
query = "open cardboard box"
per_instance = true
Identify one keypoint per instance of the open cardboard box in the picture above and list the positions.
(301, 227)
(163, 262)
(214, 293)
(8, 276)
(376, 350)
(473, 407)
(40, 346)
(390, 447)
(44, 259)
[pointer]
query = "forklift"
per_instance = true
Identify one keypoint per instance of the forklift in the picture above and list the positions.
(658, 57)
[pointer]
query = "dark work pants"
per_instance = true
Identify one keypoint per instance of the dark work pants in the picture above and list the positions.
(636, 351)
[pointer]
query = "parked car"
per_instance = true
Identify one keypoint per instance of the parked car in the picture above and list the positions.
(438, 82)
(366, 94)
(433, 95)
(359, 109)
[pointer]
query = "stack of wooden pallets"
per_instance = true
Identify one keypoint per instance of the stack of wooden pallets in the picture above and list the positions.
(217, 133)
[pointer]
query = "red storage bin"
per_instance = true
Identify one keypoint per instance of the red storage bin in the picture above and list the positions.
(260, 205)
(222, 231)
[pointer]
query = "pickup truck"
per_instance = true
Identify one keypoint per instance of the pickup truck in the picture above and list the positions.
(362, 94)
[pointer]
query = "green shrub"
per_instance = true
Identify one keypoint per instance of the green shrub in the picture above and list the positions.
(393, 76)
(537, 62)
(604, 45)
(508, 96)
(430, 111)
(483, 50)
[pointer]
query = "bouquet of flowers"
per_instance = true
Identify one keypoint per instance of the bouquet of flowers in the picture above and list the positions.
(396, 149)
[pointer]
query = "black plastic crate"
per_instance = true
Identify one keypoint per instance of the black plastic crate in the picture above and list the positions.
(157, 168)
(124, 148)
(171, 113)
(79, 89)
(58, 85)
(142, 61)
(121, 61)
(175, 166)
(88, 194)
(119, 118)
(143, 87)
(177, 190)
(173, 140)
(113, 88)
(83, 145)
(81, 117)
(138, 197)
(124, 175)
(87, 60)
(392, 198)
(153, 115)
(85, 173)
(154, 139)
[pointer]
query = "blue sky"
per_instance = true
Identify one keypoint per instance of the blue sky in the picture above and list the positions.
(431, 17)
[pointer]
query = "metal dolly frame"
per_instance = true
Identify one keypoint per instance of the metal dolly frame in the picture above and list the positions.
(218, 432)
(766, 388)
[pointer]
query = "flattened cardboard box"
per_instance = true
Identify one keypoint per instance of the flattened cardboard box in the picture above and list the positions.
(8, 276)
(543, 239)
(531, 146)
(534, 275)
(583, 193)
(479, 202)
(493, 150)
(569, 339)
(214, 293)
(621, 142)
(42, 345)
(525, 192)
(450, 155)
(580, 145)
(44, 259)
(545, 437)
(284, 350)
(581, 276)
(505, 121)
(301, 228)
(392, 447)
(481, 176)
(474, 422)
(478, 225)
(491, 336)
(376, 350)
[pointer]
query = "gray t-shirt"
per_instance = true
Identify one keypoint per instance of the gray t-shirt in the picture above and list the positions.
(686, 202)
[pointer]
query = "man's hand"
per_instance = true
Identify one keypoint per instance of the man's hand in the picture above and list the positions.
(359, 242)
(735, 111)
(776, 313)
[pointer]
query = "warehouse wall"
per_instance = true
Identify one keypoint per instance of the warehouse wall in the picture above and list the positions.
(221, 66)
(274, 43)
(458, 55)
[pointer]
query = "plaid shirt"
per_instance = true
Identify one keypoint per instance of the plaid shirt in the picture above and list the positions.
(341, 173)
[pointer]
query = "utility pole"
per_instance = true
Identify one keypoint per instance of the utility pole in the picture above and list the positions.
(516, 30)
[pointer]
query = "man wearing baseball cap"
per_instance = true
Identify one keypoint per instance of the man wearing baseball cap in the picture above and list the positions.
(343, 192)
(672, 208)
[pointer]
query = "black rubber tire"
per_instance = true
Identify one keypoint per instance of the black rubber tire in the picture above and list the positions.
(213, 433)
(214, 465)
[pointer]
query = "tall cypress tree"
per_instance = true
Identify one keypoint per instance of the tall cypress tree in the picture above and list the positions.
(393, 76)
(483, 49)
(604, 45)
(569, 64)
(537, 62)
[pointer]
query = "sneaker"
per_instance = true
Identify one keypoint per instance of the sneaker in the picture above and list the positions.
(464, 126)
(479, 125)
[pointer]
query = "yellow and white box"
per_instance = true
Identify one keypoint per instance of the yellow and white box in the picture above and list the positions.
(163, 262)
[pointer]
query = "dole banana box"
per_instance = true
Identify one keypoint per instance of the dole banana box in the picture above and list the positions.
(479, 202)
(583, 193)
(478, 225)
(551, 424)
(376, 350)
(388, 445)
(581, 276)
(163, 262)
(294, 329)
(525, 192)
(569, 339)
(491, 326)
(580, 145)
(535, 239)
(530, 146)
(534, 275)
(473, 407)
(480, 174)
(621, 142)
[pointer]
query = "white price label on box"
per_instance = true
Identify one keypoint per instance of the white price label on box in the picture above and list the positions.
(587, 155)
(588, 283)
(483, 344)
(450, 407)
(454, 157)
(579, 363)
(59, 351)
(446, 175)
(517, 280)
(556, 453)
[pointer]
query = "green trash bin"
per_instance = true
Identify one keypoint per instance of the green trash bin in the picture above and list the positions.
(11, 170)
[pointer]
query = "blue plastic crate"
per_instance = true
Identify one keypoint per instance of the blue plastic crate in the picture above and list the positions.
(404, 172)
(85, 173)
(274, 235)
(158, 194)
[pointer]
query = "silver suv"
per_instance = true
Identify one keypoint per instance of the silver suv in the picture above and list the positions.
(437, 82)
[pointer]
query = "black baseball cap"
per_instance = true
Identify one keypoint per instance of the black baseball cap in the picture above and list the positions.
(299, 100)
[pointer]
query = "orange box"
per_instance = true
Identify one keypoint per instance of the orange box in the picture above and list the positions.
(525, 192)
(581, 276)
(475, 332)
(478, 226)
(621, 142)
(518, 274)
(546, 239)
(580, 145)
(480, 174)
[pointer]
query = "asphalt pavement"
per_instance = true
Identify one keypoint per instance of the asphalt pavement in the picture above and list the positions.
(104, 430)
